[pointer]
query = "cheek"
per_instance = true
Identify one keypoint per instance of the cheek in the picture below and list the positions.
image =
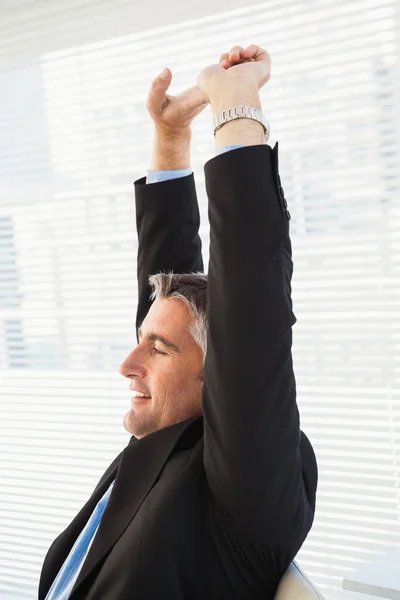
(173, 378)
(187, 383)
(164, 377)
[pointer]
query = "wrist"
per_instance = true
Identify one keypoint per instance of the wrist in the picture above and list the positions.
(240, 132)
(244, 131)
(233, 96)
(171, 151)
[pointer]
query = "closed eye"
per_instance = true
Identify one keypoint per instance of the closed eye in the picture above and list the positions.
(157, 351)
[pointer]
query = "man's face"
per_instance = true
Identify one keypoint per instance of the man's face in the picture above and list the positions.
(167, 366)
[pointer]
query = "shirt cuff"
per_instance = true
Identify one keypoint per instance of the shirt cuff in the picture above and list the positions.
(157, 176)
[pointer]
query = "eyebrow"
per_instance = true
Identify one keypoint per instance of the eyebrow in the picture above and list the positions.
(155, 337)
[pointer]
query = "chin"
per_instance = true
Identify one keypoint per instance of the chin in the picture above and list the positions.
(130, 423)
(136, 426)
(127, 426)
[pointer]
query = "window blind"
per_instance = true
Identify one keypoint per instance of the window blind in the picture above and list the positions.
(75, 134)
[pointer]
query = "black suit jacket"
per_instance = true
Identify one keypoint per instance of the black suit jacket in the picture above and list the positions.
(212, 508)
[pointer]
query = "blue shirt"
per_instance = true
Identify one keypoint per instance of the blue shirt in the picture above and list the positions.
(68, 574)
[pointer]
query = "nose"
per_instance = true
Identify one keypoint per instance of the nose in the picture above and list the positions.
(133, 366)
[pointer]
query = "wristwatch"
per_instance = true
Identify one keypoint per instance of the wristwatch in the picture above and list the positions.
(242, 112)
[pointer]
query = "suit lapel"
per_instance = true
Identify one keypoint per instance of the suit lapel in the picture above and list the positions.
(62, 545)
(138, 470)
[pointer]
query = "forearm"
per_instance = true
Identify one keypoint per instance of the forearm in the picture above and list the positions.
(162, 156)
(171, 153)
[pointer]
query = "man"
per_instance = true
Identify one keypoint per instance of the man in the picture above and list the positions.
(215, 492)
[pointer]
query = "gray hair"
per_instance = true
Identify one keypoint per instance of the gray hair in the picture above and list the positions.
(191, 288)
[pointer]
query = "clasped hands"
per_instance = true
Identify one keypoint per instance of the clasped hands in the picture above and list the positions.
(236, 79)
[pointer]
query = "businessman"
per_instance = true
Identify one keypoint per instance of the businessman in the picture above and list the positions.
(215, 492)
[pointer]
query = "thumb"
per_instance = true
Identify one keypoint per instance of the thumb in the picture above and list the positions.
(193, 99)
(156, 99)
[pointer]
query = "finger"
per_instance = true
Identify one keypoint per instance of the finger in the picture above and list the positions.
(255, 52)
(224, 60)
(156, 98)
(226, 63)
(234, 54)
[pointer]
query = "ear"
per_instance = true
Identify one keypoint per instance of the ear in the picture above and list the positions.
(200, 378)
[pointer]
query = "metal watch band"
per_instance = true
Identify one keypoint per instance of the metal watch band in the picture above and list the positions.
(242, 112)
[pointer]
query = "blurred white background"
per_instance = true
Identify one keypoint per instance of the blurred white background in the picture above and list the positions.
(75, 134)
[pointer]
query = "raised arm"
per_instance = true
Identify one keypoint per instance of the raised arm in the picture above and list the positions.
(261, 471)
(167, 213)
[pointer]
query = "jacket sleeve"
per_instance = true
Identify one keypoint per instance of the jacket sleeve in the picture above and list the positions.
(168, 221)
(252, 439)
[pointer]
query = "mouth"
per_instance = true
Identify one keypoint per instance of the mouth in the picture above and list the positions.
(139, 397)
